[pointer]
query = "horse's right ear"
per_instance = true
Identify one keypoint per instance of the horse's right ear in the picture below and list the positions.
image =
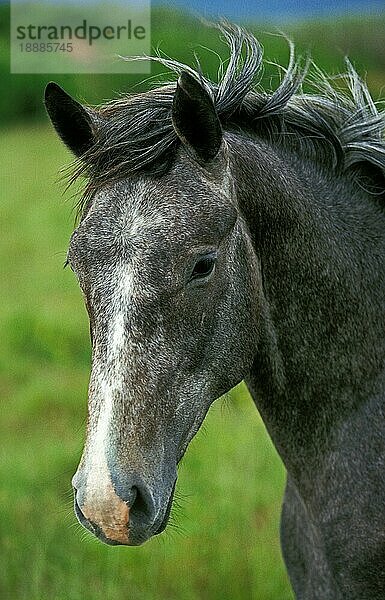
(71, 120)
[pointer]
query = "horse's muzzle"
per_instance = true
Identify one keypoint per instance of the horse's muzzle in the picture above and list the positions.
(127, 519)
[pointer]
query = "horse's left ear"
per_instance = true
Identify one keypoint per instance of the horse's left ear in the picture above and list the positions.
(195, 119)
(72, 121)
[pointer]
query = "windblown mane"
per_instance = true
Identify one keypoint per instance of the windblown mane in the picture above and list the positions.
(341, 130)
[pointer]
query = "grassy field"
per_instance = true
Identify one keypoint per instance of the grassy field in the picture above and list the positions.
(223, 541)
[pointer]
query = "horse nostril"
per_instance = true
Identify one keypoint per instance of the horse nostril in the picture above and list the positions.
(141, 504)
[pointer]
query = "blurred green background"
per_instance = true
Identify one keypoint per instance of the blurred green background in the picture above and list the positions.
(223, 540)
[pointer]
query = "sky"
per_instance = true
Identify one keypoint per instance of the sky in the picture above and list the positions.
(276, 9)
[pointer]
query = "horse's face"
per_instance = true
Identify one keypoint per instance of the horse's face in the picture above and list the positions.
(161, 270)
(170, 283)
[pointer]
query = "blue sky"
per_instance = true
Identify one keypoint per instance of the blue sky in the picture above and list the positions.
(276, 9)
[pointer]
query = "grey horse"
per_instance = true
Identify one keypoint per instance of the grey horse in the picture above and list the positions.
(227, 233)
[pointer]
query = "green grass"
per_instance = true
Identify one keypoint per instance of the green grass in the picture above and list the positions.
(224, 539)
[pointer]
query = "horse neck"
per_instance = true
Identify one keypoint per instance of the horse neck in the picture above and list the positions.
(320, 243)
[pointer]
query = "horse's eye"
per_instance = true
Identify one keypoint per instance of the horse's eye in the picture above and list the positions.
(204, 266)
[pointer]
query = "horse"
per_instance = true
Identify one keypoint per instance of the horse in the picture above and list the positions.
(227, 233)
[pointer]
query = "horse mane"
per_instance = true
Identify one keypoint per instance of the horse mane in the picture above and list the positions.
(338, 127)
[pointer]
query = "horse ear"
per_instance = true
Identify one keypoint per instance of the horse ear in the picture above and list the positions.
(71, 120)
(195, 119)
